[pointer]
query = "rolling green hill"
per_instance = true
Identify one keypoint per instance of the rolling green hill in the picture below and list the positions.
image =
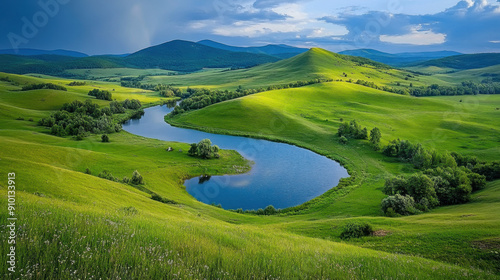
(73, 223)
(188, 56)
(315, 63)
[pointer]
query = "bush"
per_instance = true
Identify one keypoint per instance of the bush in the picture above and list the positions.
(161, 199)
(356, 230)
(402, 205)
(136, 178)
(105, 174)
(343, 140)
(270, 210)
(105, 138)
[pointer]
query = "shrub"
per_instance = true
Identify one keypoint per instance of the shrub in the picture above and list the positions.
(356, 230)
(136, 178)
(402, 205)
(105, 138)
(343, 140)
(105, 174)
(270, 210)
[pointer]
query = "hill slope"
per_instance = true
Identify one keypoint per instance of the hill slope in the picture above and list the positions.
(188, 56)
(313, 64)
(398, 59)
(280, 51)
(76, 224)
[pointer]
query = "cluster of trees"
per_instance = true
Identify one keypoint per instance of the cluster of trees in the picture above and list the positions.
(101, 94)
(414, 153)
(354, 130)
(76, 83)
(168, 91)
(135, 180)
(466, 88)
(43, 86)
(269, 210)
(204, 149)
(433, 187)
(80, 119)
(445, 179)
(117, 107)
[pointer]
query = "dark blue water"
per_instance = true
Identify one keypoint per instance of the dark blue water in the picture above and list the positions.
(283, 175)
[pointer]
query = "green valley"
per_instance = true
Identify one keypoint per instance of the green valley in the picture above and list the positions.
(74, 224)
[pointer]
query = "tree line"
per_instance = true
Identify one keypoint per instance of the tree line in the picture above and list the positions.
(43, 86)
(465, 88)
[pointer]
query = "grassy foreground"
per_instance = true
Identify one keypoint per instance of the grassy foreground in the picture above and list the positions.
(72, 225)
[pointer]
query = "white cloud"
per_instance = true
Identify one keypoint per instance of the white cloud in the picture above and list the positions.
(417, 36)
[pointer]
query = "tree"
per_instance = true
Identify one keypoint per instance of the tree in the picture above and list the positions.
(204, 149)
(343, 140)
(375, 137)
(136, 178)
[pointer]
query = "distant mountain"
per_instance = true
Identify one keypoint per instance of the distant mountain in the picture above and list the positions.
(399, 59)
(465, 61)
(55, 64)
(279, 51)
(175, 55)
(43, 52)
(189, 56)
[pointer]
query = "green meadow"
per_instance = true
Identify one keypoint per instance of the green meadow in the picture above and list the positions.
(75, 225)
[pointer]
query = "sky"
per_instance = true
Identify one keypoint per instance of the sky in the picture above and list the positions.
(125, 26)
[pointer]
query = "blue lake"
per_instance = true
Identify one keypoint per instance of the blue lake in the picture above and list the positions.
(282, 175)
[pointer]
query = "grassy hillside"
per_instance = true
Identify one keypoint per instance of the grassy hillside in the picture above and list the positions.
(310, 116)
(76, 225)
(315, 63)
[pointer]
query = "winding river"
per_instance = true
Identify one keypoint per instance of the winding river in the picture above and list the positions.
(283, 175)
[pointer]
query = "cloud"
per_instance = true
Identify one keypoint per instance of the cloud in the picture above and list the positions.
(415, 37)
(265, 4)
(467, 25)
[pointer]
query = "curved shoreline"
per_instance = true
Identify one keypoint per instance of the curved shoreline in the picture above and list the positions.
(285, 175)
